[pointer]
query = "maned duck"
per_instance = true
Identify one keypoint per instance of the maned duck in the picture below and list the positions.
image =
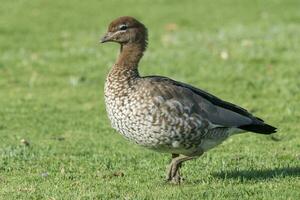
(163, 114)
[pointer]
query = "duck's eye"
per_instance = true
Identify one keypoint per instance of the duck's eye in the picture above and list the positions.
(123, 27)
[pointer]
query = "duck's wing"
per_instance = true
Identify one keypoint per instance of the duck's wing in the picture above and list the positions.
(210, 107)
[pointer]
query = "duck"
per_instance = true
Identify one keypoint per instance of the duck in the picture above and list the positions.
(163, 114)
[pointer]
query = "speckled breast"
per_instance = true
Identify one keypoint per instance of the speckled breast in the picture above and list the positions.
(130, 112)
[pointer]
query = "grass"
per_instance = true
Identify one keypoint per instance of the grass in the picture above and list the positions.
(52, 72)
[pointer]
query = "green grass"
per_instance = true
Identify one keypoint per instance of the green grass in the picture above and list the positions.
(52, 72)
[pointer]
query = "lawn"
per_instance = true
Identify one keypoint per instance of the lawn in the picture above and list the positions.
(56, 140)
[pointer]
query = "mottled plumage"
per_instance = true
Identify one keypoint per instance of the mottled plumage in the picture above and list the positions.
(162, 114)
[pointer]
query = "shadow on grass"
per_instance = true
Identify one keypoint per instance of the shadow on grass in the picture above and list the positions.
(259, 174)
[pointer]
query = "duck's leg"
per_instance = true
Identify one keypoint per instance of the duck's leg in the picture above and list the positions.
(173, 172)
(170, 166)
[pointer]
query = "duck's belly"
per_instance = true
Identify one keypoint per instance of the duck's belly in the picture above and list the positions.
(146, 125)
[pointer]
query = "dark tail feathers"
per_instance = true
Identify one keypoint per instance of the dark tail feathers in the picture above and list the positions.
(260, 128)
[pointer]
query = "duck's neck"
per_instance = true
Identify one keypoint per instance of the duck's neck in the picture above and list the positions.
(128, 59)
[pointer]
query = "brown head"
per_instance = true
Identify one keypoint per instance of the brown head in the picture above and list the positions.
(126, 30)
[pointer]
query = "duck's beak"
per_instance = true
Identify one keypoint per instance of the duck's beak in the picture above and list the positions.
(106, 37)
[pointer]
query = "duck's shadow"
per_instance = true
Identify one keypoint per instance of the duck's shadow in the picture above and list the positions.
(266, 174)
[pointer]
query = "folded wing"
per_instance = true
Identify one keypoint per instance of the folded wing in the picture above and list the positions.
(216, 111)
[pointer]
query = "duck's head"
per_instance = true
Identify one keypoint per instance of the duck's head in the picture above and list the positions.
(126, 30)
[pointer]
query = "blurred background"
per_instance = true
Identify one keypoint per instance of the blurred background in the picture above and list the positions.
(53, 124)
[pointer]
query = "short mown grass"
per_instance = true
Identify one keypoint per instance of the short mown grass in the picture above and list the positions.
(56, 140)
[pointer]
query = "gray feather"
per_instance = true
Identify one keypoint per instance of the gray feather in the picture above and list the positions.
(216, 111)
